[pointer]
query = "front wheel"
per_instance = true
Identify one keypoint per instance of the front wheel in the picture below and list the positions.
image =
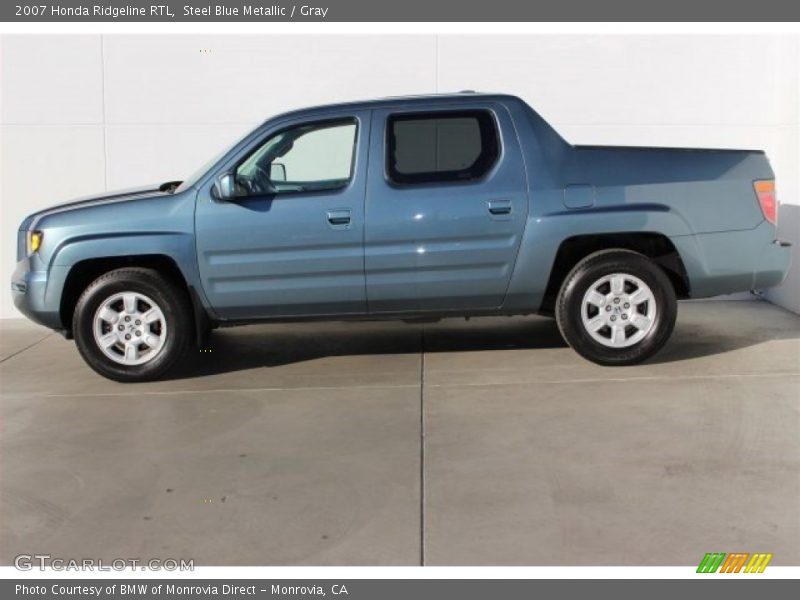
(616, 307)
(132, 324)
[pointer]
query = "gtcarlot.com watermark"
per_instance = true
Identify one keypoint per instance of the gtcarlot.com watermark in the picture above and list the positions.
(42, 562)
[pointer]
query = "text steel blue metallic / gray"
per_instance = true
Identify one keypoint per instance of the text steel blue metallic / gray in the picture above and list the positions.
(423, 207)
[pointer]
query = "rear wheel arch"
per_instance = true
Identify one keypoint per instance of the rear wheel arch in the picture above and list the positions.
(655, 246)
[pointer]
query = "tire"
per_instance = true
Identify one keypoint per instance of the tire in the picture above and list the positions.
(613, 327)
(133, 304)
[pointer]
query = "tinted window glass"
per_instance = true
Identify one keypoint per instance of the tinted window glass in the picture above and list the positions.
(441, 146)
(308, 158)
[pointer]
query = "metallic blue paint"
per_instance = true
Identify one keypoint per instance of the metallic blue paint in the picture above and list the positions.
(439, 246)
(280, 255)
(466, 248)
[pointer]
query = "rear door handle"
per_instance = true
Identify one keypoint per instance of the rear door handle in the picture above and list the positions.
(339, 218)
(499, 208)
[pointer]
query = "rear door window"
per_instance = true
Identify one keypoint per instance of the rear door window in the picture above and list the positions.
(442, 146)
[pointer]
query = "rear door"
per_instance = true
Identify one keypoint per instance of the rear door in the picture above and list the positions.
(446, 207)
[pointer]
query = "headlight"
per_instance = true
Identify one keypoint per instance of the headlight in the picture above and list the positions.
(34, 241)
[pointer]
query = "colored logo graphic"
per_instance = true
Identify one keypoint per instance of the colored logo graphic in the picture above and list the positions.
(737, 562)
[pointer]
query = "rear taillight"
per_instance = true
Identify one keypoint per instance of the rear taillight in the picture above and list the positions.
(767, 199)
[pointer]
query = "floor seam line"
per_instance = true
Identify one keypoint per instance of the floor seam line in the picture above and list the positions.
(214, 391)
(422, 449)
(18, 352)
(624, 380)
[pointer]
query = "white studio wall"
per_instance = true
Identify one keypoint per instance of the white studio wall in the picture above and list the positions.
(83, 114)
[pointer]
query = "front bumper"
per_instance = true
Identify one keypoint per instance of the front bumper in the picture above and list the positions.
(32, 292)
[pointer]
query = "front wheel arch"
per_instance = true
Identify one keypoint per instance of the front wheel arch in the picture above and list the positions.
(84, 272)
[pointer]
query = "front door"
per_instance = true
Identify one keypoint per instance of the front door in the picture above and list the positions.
(291, 243)
(446, 208)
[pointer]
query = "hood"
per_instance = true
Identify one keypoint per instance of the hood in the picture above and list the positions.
(126, 195)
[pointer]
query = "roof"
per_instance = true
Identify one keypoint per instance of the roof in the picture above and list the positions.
(399, 101)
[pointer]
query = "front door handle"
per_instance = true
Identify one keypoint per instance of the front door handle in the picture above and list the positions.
(499, 208)
(339, 218)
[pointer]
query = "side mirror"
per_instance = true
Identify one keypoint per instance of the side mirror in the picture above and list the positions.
(225, 187)
(277, 172)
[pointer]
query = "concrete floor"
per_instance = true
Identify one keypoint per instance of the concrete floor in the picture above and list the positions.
(346, 443)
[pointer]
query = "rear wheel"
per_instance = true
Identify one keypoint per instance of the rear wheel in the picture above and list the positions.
(616, 307)
(132, 324)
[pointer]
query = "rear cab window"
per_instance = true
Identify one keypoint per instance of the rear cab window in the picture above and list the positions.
(441, 146)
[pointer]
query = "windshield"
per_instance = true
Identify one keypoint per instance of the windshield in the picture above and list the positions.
(262, 157)
(195, 177)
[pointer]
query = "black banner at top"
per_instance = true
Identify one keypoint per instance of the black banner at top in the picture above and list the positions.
(399, 10)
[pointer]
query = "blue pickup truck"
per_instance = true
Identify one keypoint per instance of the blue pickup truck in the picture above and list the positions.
(404, 208)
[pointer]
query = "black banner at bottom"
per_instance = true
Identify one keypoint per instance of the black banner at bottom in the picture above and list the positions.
(733, 588)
